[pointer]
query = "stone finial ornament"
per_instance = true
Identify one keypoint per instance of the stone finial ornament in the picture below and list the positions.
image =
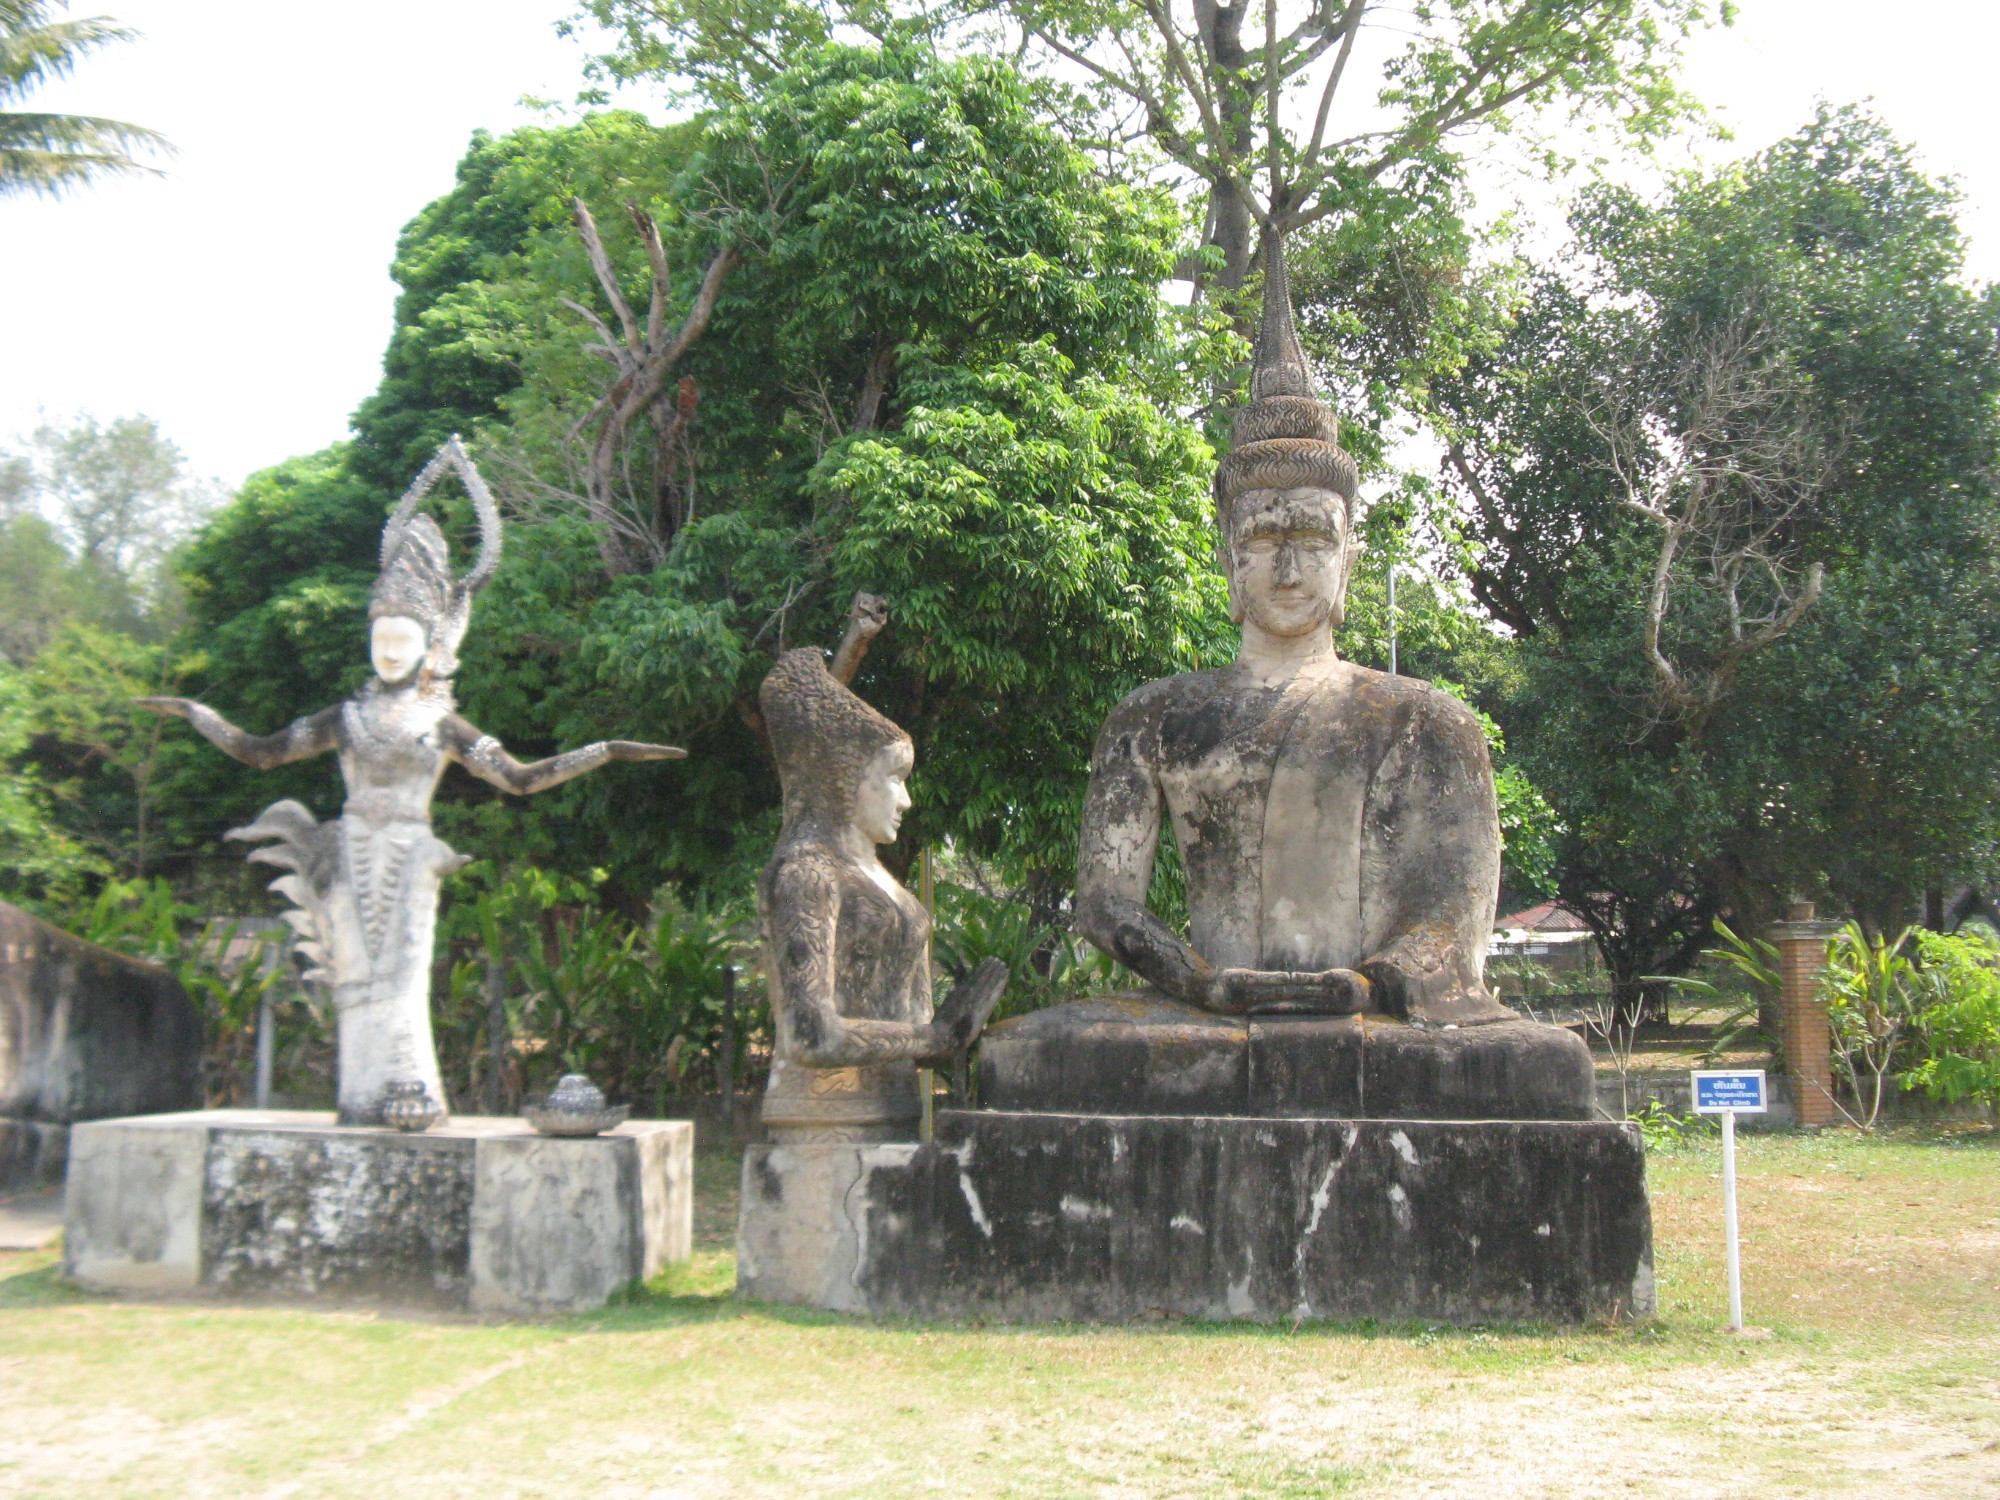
(1285, 438)
(846, 947)
(364, 885)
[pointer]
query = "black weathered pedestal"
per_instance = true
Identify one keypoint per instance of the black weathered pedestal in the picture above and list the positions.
(1142, 1054)
(1110, 1217)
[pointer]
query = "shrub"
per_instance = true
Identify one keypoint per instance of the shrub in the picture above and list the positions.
(1957, 1028)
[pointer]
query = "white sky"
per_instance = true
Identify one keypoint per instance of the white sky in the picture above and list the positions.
(244, 299)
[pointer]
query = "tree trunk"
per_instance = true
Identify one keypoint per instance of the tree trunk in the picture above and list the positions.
(1235, 222)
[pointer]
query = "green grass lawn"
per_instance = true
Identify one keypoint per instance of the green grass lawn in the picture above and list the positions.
(1874, 1263)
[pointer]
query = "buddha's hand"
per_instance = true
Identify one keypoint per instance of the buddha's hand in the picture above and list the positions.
(639, 750)
(969, 1006)
(179, 708)
(1329, 992)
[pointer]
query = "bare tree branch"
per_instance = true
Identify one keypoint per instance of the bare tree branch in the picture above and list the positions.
(643, 364)
(1727, 461)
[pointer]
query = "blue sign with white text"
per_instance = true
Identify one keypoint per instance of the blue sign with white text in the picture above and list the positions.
(1718, 1092)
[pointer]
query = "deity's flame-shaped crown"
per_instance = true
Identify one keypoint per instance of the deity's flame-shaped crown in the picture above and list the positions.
(416, 580)
(1285, 438)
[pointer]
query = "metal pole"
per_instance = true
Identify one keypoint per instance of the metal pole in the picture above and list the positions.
(926, 1077)
(267, 1028)
(1729, 1220)
(496, 1029)
(1392, 619)
(729, 1043)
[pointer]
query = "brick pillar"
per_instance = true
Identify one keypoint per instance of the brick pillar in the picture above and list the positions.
(1806, 1036)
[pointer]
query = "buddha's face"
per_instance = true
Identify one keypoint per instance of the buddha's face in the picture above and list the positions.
(396, 645)
(1288, 560)
(884, 794)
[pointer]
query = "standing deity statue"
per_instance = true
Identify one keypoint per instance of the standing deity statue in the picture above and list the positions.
(847, 948)
(364, 885)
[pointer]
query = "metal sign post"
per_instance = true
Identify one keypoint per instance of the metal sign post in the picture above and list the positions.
(1729, 1094)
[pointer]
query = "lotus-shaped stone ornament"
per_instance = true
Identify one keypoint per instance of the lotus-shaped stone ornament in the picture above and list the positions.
(575, 1106)
(408, 1105)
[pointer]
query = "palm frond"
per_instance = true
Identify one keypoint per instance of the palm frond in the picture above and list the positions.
(48, 154)
(34, 50)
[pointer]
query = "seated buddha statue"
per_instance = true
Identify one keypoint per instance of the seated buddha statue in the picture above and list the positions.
(1339, 835)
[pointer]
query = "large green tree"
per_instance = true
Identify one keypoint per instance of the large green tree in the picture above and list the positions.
(1732, 474)
(938, 371)
(1268, 108)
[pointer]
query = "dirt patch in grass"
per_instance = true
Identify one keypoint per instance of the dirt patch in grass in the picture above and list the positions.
(1871, 1261)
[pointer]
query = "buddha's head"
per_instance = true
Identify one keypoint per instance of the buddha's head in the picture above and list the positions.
(842, 765)
(1287, 556)
(396, 645)
(1284, 493)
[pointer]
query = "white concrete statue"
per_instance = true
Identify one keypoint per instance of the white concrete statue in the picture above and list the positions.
(365, 885)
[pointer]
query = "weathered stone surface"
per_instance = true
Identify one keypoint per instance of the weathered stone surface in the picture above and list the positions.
(364, 886)
(1138, 1054)
(847, 948)
(565, 1223)
(301, 1213)
(797, 1239)
(133, 1206)
(1337, 828)
(1114, 1217)
(86, 1033)
(482, 1214)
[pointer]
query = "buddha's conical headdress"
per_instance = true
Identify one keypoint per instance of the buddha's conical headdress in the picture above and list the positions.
(822, 736)
(416, 576)
(1285, 438)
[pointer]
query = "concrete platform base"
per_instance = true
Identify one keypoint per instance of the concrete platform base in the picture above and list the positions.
(1142, 1054)
(1108, 1217)
(479, 1215)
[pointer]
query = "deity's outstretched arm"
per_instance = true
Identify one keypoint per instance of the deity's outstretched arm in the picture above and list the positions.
(484, 757)
(301, 739)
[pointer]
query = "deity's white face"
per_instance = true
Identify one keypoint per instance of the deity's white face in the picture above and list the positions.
(884, 795)
(396, 645)
(1289, 557)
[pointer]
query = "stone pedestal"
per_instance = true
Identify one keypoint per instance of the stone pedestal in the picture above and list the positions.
(1805, 1030)
(1112, 1217)
(1143, 1054)
(480, 1215)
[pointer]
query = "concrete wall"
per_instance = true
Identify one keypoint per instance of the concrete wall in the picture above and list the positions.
(85, 1034)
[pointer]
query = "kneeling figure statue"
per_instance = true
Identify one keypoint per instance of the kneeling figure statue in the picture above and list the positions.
(847, 949)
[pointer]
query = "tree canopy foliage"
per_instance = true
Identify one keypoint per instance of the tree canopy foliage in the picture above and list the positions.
(1787, 352)
(940, 372)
